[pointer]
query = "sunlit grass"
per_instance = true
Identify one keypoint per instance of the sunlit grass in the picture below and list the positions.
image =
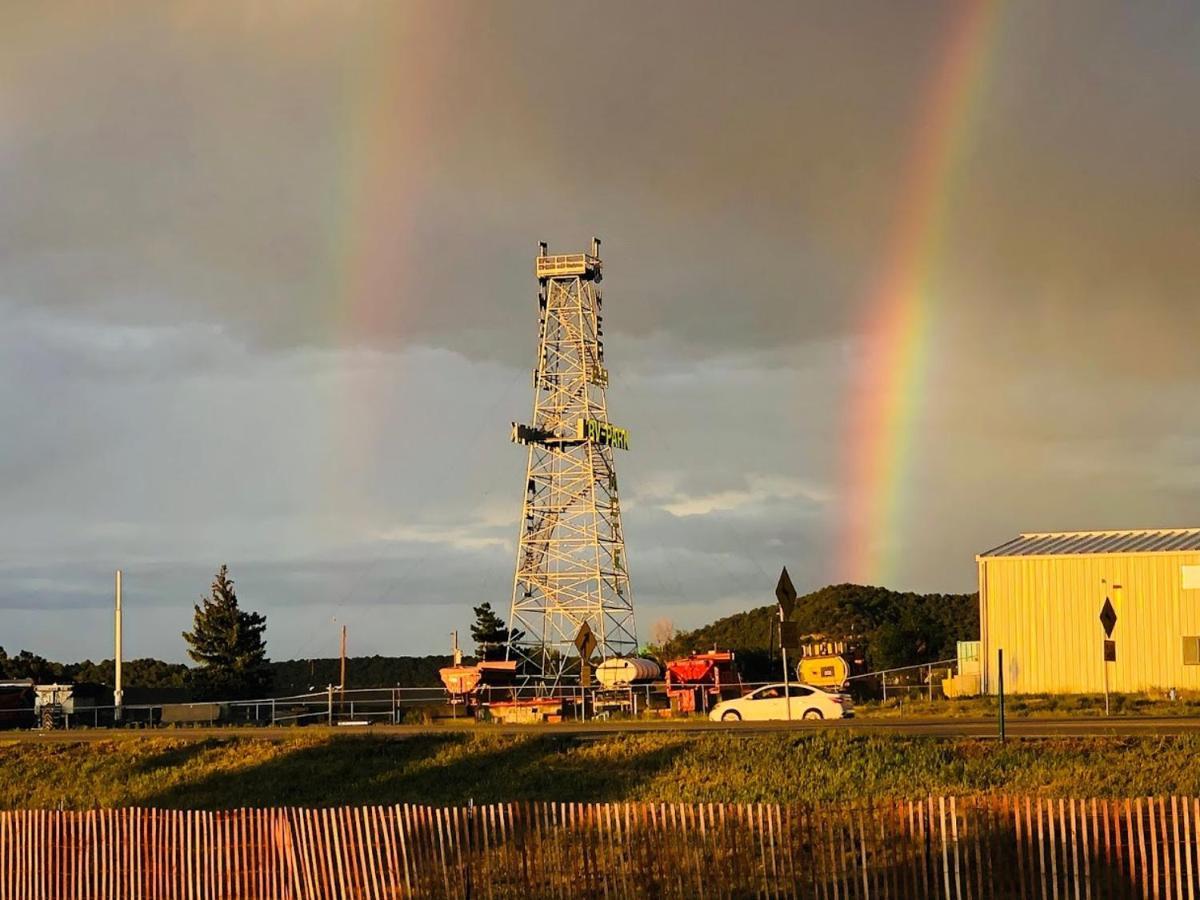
(453, 768)
(1032, 706)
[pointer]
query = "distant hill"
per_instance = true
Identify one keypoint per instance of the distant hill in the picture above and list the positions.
(898, 629)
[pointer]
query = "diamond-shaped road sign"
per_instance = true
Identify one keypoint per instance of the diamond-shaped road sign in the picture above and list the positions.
(785, 593)
(1108, 617)
(585, 641)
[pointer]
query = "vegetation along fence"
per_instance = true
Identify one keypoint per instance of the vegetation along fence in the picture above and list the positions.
(939, 847)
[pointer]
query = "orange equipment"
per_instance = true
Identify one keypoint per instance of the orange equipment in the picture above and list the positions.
(464, 684)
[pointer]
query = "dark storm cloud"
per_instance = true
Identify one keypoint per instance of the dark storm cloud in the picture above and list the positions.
(743, 165)
(266, 293)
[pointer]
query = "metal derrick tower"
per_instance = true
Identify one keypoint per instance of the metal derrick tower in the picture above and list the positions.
(571, 567)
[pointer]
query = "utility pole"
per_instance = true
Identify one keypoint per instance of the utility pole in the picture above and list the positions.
(455, 660)
(342, 677)
(118, 627)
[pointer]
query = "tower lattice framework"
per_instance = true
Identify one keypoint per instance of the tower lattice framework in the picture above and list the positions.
(571, 566)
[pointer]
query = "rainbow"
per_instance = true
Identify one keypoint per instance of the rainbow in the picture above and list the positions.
(385, 169)
(889, 387)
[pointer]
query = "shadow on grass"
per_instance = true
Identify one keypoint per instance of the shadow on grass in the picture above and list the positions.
(450, 769)
(430, 769)
(173, 757)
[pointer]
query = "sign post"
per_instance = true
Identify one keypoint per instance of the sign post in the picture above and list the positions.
(1108, 619)
(1000, 669)
(785, 594)
(1113, 645)
(585, 643)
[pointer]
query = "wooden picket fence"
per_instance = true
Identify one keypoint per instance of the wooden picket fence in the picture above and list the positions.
(973, 848)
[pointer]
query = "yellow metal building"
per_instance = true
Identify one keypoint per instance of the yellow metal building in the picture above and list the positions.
(1040, 600)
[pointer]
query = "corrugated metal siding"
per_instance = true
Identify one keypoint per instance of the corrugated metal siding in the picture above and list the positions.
(1045, 613)
(1091, 542)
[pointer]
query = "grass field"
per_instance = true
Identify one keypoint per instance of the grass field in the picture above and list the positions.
(453, 768)
(1033, 706)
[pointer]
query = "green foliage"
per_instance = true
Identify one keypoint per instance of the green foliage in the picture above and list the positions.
(227, 642)
(149, 673)
(451, 767)
(30, 665)
(898, 629)
(490, 634)
(298, 676)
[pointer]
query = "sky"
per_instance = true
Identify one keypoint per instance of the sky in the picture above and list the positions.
(267, 297)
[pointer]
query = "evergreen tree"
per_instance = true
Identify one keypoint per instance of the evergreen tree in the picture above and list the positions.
(490, 634)
(228, 644)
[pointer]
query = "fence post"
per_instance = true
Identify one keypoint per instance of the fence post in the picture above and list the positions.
(941, 847)
(329, 704)
(272, 710)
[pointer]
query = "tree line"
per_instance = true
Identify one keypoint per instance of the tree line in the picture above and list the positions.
(227, 642)
(228, 646)
(163, 681)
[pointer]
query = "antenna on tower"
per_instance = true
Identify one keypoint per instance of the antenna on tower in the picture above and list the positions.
(571, 569)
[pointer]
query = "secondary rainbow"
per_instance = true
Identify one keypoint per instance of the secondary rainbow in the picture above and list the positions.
(889, 388)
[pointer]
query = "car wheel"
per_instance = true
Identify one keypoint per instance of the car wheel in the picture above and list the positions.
(813, 714)
(731, 715)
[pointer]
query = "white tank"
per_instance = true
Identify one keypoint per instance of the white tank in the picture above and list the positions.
(617, 672)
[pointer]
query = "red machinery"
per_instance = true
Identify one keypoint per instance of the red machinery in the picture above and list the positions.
(696, 682)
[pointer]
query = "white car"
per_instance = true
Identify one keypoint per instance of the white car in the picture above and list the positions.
(768, 703)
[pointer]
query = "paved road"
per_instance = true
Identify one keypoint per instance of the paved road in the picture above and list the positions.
(908, 727)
